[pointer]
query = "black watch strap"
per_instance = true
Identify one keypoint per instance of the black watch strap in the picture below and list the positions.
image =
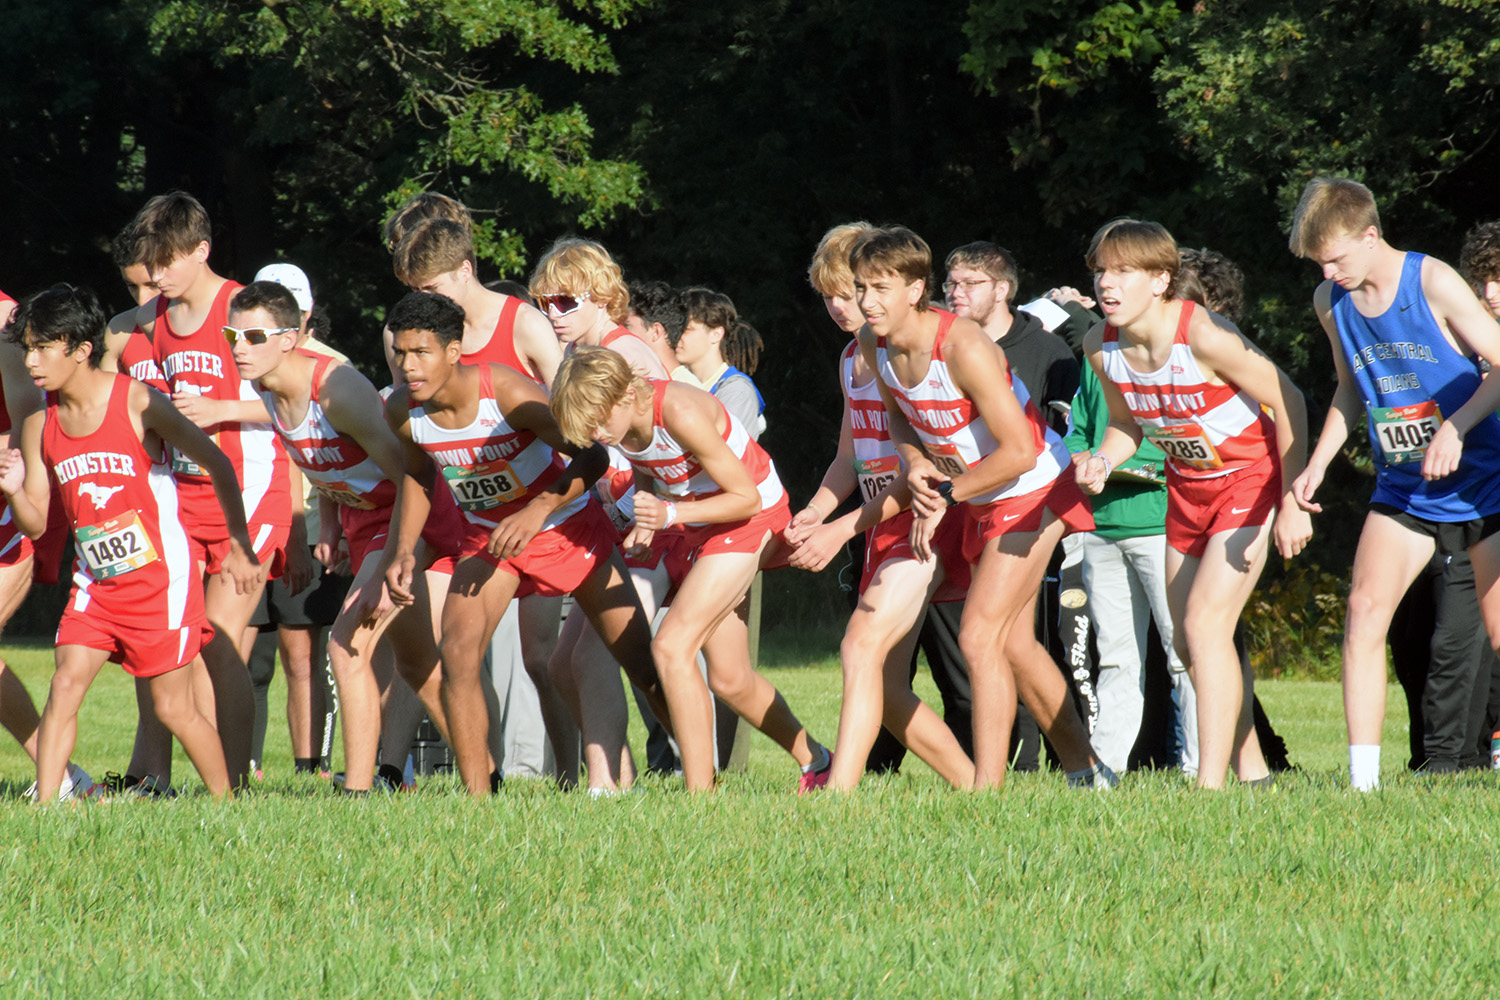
(945, 490)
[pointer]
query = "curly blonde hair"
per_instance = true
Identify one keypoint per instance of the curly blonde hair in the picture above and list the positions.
(582, 267)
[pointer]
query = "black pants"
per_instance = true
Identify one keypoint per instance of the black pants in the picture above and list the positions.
(1443, 660)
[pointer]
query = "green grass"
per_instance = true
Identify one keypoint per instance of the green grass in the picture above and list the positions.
(904, 889)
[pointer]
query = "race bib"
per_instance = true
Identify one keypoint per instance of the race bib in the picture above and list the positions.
(341, 494)
(1186, 444)
(483, 487)
(876, 474)
(948, 459)
(184, 466)
(1405, 431)
(117, 546)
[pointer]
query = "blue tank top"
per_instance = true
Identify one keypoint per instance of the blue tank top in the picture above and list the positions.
(1411, 379)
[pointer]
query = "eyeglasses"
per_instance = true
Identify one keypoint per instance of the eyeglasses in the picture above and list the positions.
(255, 336)
(968, 285)
(564, 304)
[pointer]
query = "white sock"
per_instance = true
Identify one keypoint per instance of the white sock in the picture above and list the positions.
(1364, 767)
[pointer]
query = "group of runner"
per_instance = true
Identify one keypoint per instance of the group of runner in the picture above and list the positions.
(524, 453)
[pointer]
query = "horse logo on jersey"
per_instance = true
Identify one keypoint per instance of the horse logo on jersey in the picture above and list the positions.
(99, 494)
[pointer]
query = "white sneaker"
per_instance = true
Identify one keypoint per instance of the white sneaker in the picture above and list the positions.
(1099, 777)
(76, 783)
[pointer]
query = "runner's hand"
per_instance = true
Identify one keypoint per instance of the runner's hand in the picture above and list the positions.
(398, 578)
(299, 569)
(1091, 472)
(1443, 452)
(370, 603)
(922, 530)
(650, 511)
(637, 542)
(923, 478)
(241, 566)
(818, 548)
(12, 472)
(512, 535)
(1293, 528)
(201, 410)
(801, 526)
(1305, 485)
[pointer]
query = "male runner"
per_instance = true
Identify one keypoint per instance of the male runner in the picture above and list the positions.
(894, 588)
(186, 326)
(1189, 379)
(330, 418)
(657, 317)
(1407, 336)
(530, 526)
(135, 597)
(967, 433)
(720, 504)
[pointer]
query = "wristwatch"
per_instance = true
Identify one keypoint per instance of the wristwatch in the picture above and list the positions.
(945, 490)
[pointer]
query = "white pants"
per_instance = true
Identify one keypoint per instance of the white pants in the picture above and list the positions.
(518, 736)
(1127, 585)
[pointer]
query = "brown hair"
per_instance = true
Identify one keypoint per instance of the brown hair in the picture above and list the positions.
(582, 267)
(991, 258)
(829, 272)
(1146, 246)
(167, 227)
(895, 250)
(1213, 280)
(427, 205)
(431, 248)
(1480, 258)
(1331, 208)
(589, 383)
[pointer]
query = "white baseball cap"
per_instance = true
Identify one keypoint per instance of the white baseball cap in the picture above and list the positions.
(293, 278)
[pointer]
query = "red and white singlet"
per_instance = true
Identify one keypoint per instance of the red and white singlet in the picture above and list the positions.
(138, 360)
(1207, 429)
(133, 565)
(953, 433)
(875, 460)
(682, 477)
(492, 469)
(500, 349)
(201, 362)
(336, 466)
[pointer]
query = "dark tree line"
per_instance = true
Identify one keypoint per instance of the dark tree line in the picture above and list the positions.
(713, 143)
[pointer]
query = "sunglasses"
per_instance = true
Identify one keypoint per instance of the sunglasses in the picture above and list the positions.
(255, 336)
(564, 304)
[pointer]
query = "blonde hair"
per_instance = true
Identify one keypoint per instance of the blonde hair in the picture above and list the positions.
(420, 208)
(829, 272)
(1146, 246)
(431, 248)
(590, 382)
(578, 267)
(1331, 208)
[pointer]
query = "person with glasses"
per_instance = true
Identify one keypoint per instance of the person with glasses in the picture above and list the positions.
(186, 325)
(580, 288)
(106, 440)
(330, 419)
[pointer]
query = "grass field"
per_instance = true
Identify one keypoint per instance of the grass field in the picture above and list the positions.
(904, 889)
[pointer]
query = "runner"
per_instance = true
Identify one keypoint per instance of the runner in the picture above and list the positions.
(1189, 379)
(186, 326)
(530, 526)
(329, 417)
(135, 597)
(895, 587)
(968, 433)
(722, 504)
(580, 288)
(1407, 336)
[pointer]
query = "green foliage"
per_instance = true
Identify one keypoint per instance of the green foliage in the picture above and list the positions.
(1294, 624)
(1398, 94)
